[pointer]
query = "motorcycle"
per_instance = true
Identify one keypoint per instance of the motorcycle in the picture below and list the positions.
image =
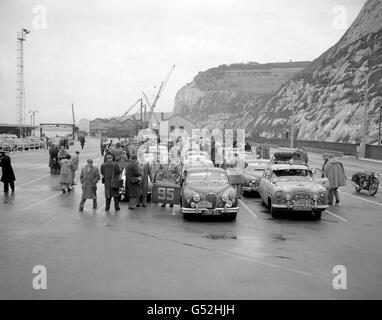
(366, 180)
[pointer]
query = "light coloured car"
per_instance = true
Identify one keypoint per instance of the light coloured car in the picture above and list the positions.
(295, 188)
(252, 175)
(207, 192)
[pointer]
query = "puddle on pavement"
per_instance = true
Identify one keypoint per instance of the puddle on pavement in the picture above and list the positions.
(279, 237)
(221, 236)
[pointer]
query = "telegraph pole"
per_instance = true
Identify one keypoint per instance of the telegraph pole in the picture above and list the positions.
(21, 37)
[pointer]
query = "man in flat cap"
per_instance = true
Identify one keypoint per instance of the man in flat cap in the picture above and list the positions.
(89, 178)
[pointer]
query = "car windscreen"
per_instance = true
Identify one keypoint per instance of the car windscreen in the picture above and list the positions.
(292, 174)
(207, 177)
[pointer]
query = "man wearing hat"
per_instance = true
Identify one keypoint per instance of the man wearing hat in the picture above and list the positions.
(89, 178)
(111, 172)
(8, 177)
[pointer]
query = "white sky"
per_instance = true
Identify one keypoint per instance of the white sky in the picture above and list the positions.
(101, 55)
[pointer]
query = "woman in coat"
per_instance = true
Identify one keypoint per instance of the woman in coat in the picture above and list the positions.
(133, 177)
(110, 170)
(89, 178)
(8, 177)
(66, 174)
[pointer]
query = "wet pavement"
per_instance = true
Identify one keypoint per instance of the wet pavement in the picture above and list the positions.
(152, 253)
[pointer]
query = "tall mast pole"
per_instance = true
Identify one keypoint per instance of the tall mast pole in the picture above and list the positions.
(21, 113)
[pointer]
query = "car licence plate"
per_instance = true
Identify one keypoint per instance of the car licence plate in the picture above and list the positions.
(302, 206)
(211, 213)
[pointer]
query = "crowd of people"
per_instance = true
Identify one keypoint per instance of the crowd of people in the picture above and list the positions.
(123, 157)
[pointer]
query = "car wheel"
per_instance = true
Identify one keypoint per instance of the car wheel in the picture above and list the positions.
(317, 215)
(272, 211)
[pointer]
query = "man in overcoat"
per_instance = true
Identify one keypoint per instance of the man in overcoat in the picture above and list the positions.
(133, 178)
(110, 170)
(8, 177)
(334, 170)
(89, 178)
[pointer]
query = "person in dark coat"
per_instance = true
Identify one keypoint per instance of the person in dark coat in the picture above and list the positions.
(53, 159)
(110, 170)
(213, 150)
(82, 141)
(133, 178)
(89, 178)
(8, 177)
(247, 147)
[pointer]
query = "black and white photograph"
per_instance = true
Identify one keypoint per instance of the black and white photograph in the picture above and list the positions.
(190, 151)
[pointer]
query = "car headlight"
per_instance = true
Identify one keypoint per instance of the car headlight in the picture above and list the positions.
(196, 197)
(279, 194)
(229, 204)
(288, 197)
(254, 181)
(193, 205)
(225, 197)
(323, 194)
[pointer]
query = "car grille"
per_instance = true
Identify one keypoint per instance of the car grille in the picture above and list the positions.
(212, 197)
(301, 196)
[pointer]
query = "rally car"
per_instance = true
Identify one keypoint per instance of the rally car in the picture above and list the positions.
(208, 192)
(295, 188)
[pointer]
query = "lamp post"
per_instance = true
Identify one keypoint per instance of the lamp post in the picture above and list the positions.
(364, 117)
(379, 129)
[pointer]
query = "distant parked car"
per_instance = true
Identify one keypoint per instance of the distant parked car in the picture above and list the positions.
(252, 175)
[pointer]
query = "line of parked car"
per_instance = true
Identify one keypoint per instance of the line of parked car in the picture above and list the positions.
(11, 143)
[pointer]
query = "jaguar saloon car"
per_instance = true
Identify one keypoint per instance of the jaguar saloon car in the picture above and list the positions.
(293, 188)
(207, 192)
(252, 175)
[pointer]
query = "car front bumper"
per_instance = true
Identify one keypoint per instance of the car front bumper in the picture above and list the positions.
(210, 212)
(250, 189)
(292, 207)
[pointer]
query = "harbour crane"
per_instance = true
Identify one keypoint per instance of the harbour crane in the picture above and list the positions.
(128, 110)
(161, 88)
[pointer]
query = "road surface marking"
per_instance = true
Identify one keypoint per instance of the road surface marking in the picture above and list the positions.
(28, 183)
(248, 209)
(370, 201)
(42, 201)
(334, 215)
